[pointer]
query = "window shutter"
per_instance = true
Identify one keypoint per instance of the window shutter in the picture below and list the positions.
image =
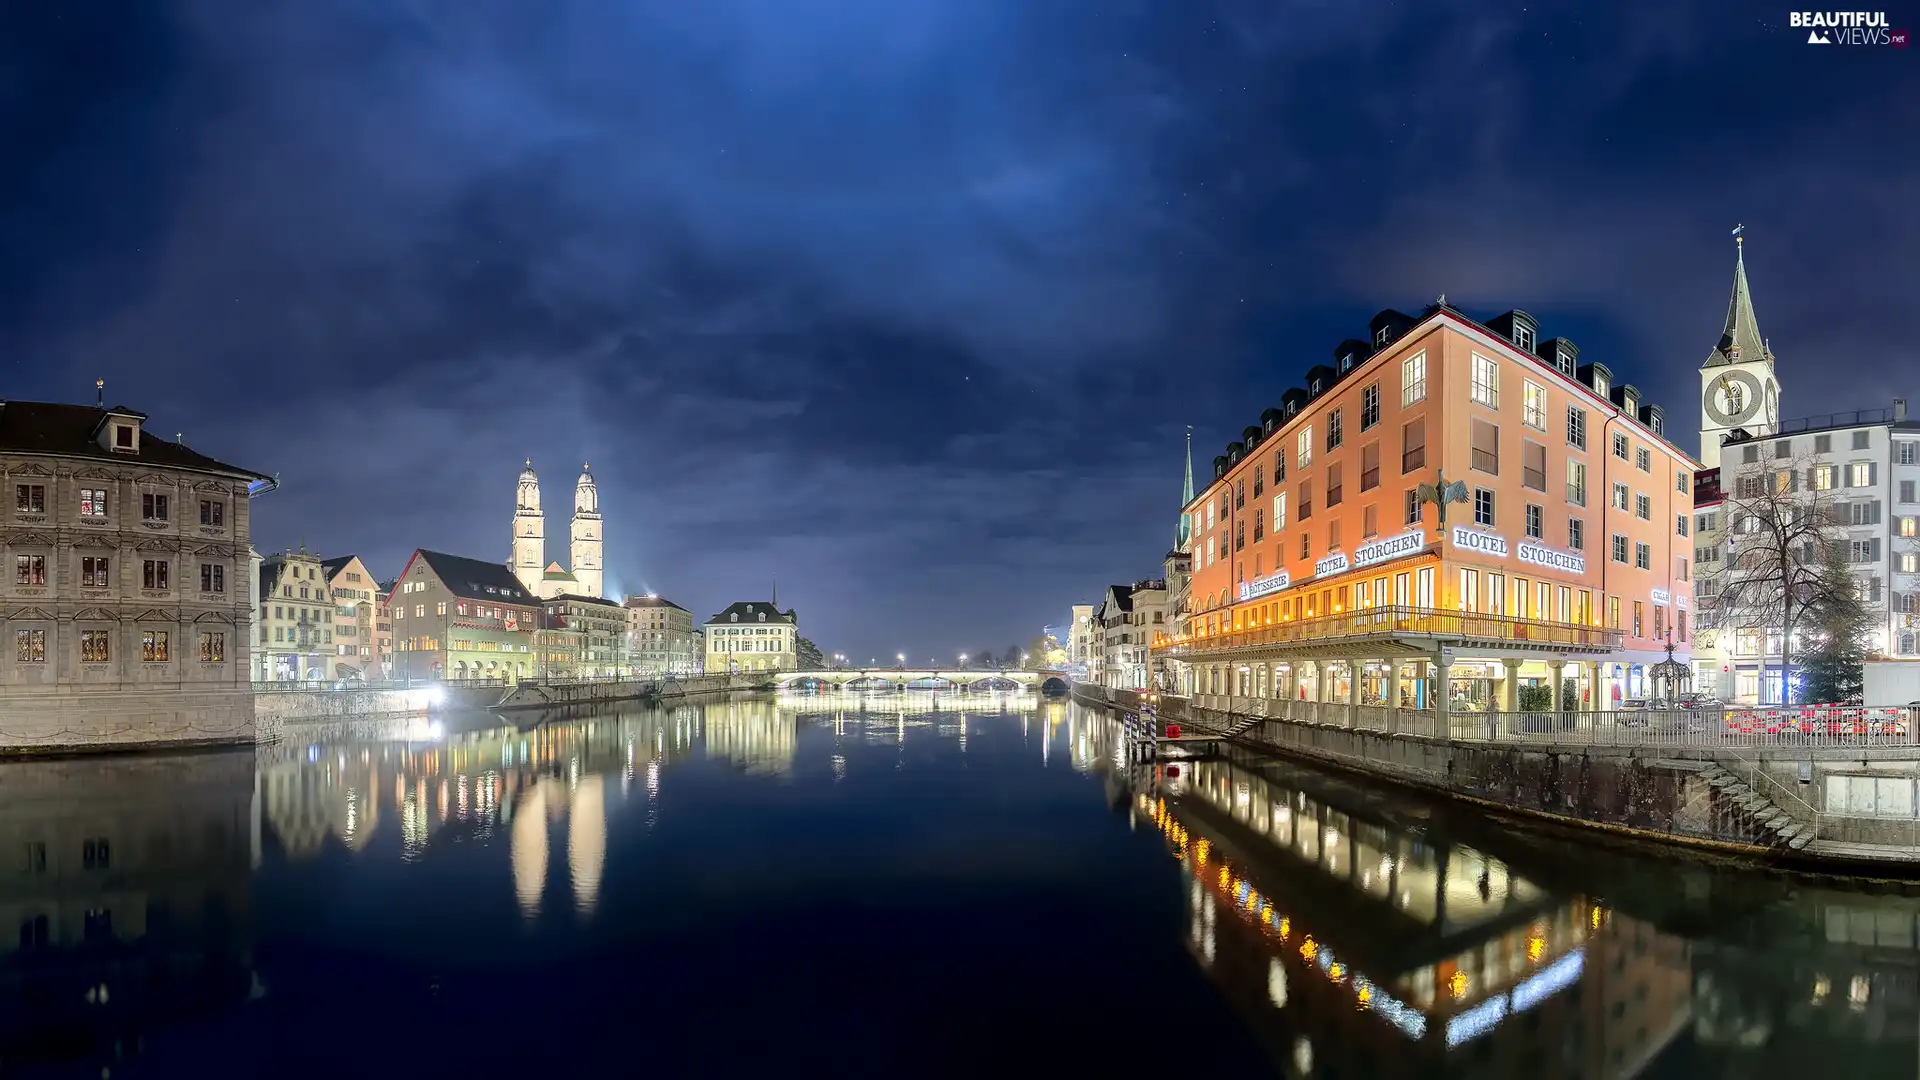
(1873, 512)
(1873, 473)
(1873, 553)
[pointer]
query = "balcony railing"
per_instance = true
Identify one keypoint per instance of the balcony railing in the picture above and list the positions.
(1486, 461)
(1413, 459)
(1391, 621)
(1534, 479)
(1577, 494)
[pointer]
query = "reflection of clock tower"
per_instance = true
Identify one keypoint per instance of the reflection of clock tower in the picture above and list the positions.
(1738, 388)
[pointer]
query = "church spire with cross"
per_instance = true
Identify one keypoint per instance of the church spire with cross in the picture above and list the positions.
(1740, 342)
(1184, 534)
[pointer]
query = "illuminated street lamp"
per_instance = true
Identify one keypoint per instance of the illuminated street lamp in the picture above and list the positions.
(963, 661)
(902, 657)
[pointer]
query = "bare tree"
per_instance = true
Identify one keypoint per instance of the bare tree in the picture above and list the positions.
(1785, 526)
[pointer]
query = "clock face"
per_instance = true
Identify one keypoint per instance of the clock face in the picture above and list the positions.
(1773, 405)
(1733, 398)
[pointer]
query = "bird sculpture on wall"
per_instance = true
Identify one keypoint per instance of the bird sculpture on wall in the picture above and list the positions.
(1440, 493)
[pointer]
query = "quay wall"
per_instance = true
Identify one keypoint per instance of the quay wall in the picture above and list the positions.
(531, 695)
(1633, 792)
(86, 721)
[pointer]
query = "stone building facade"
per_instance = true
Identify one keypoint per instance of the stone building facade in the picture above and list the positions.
(753, 636)
(127, 616)
(660, 637)
(295, 620)
(460, 618)
(356, 604)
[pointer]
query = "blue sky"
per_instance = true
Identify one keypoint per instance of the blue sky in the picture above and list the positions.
(907, 302)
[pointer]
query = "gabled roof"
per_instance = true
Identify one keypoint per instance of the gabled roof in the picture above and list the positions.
(651, 601)
(43, 427)
(471, 578)
(1121, 597)
(750, 612)
(1741, 341)
(576, 599)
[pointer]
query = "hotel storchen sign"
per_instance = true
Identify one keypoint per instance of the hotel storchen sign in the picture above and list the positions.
(1542, 555)
(1392, 547)
(1332, 564)
(1484, 543)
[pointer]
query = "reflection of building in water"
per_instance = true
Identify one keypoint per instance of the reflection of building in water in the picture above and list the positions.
(752, 733)
(587, 840)
(528, 846)
(1356, 945)
(128, 905)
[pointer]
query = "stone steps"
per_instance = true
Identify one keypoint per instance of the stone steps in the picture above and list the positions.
(1777, 827)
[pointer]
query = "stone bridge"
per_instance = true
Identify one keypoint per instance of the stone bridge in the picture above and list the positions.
(923, 679)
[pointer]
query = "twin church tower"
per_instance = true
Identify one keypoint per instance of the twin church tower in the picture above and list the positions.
(530, 541)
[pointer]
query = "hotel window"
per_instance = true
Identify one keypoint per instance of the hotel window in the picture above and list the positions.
(1413, 444)
(213, 646)
(1305, 510)
(1240, 535)
(154, 507)
(1680, 525)
(1336, 429)
(1413, 508)
(1643, 556)
(29, 569)
(30, 498)
(1279, 465)
(1576, 428)
(1259, 480)
(1659, 621)
(1482, 506)
(1577, 483)
(1860, 474)
(1643, 507)
(1334, 489)
(153, 646)
(95, 572)
(1523, 337)
(1613, 613)
(1680, 625)
(1620, 494)
(1370, 521)
(1469, 590)
(1533, 465)
(96, 646)
(1369, 406)
(1303, 445)
(1643, 459)
(1536, 521)
(1619, 547)
(1486, 448)
(1680, 483)
(1423, 587)
(1496, 594)
(1486, 381)
(1370, 466)
(1259, 528)
(93, 502)
(1533, 406)
(1279, 510)
(1600, 385)
(1576, 534)
(1413, 379)
(1306, 548)
(1239, 494)
(1639, 610)
(213, 578)
(30, 646)
(1620, 446)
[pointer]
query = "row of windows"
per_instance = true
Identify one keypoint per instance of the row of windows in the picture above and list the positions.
(96, 646)
(92, 503)
(96, 572)
(753, 645)
(298, 635)
(1905, 451)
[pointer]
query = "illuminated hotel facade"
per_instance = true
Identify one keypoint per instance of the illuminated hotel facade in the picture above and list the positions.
(1321, 573)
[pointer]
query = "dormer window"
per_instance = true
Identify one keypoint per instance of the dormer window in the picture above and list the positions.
(1564, 361)
(1316, 386)
(763, 616)
(1382, 336)
(1656, 424)
(1346, 364)
(1523, 336)
(735, 616)
(123, 436)
(1600, 385)
(1631, 403)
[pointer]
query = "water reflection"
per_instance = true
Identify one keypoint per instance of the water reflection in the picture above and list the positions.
(127, 896)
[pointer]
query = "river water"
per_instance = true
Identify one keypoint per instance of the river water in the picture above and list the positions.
(894, 886)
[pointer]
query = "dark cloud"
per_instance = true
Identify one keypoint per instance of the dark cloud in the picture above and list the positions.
(905, 302)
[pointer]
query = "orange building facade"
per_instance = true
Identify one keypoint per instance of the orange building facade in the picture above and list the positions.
(1322, 571)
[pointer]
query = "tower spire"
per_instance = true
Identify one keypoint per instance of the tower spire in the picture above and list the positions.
(1740, 342)
(776, 593)
(1184, 534)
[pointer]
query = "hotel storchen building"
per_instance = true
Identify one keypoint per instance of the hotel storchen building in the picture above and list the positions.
(1444, 516)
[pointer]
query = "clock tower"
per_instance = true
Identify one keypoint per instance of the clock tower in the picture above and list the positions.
(1738, 388)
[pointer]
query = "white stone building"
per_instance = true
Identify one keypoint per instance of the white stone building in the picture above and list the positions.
(1129, 617)
(660, 637)
(753, 636)
(587, 540)
(295, 620)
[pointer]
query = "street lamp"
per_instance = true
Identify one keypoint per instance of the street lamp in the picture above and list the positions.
(963, 661)
(902, 657)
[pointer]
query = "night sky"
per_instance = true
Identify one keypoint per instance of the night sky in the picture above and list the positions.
(907, 302)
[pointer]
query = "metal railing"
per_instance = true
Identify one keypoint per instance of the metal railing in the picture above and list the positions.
(1862, 731)
(1386, 621)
